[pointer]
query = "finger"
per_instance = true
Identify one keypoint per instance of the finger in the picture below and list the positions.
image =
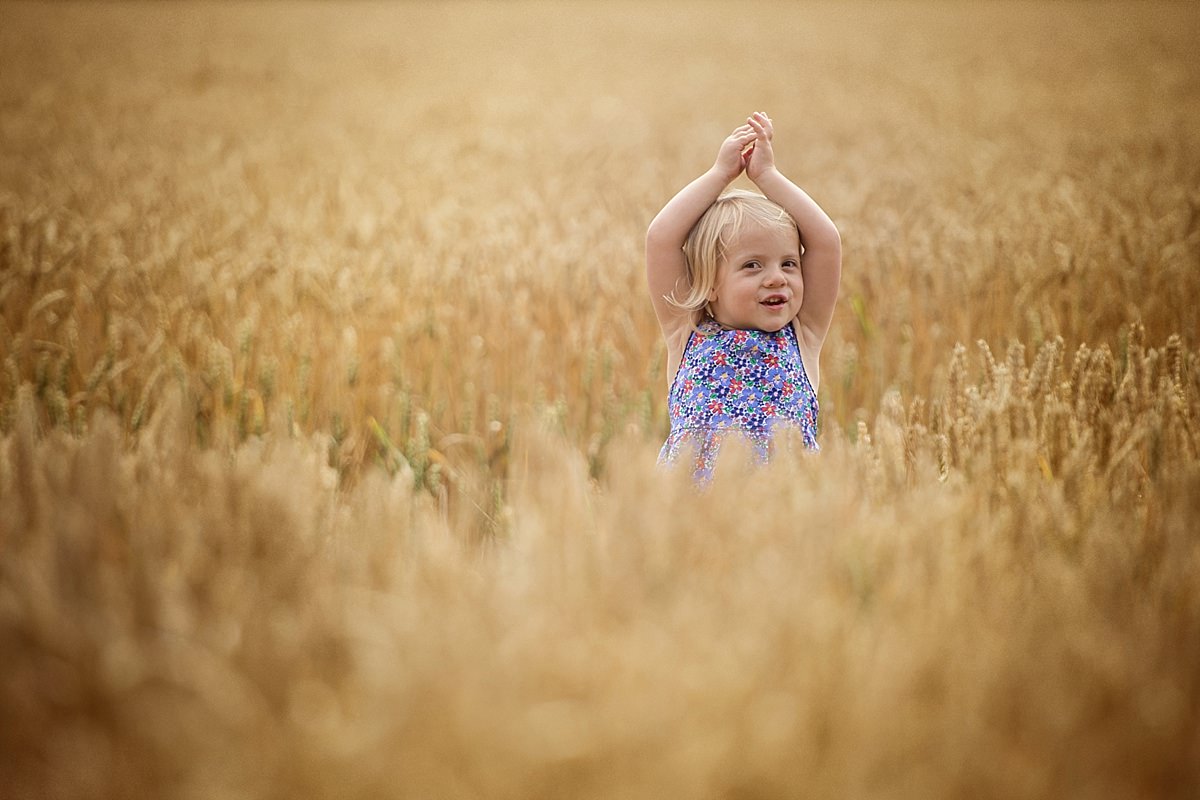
(764, 133)
(761, 118)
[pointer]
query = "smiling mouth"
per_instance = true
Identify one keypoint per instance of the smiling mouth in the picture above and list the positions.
(775, 301)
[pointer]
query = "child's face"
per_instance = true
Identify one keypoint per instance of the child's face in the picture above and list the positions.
(759, 285)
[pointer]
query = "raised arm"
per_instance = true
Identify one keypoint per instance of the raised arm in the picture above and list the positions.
(665, 265)
(821, 264)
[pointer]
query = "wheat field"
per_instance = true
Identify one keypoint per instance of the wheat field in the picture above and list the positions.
(331, 394)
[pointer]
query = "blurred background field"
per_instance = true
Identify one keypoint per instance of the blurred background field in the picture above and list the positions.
(331, 391)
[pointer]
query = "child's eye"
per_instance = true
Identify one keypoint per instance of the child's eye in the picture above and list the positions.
(751, 265)
(791, 263)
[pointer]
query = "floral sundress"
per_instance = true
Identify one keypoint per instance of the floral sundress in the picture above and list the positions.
(744, 382)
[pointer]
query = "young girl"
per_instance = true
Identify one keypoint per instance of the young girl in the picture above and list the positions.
(744, 287)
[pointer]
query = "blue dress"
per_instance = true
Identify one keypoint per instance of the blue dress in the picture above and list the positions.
(746, 382)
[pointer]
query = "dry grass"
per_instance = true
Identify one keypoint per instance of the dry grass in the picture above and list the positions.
(330, 397)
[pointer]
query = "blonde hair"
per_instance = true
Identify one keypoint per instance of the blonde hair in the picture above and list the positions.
(710, 239)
